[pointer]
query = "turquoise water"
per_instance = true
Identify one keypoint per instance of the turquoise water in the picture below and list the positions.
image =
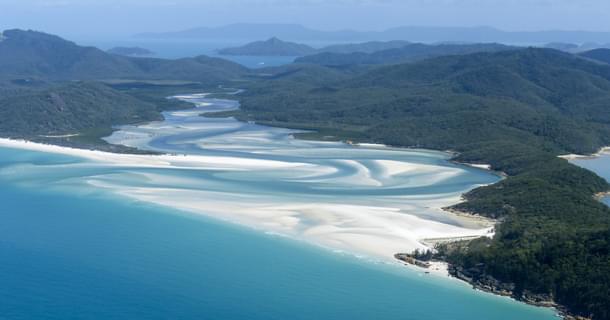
(88, 254)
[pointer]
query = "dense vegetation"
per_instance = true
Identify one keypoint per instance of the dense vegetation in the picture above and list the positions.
(50, 90)
(601, 55)
(366, 47)
(76, 114)
(277, 47)
(69, 109)
(516, 110)
(270, 47)
(36, 55)
(408, 53)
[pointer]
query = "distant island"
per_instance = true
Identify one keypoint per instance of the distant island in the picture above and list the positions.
(131, 51)
(295, 32)
(270, 47)
(380, 52)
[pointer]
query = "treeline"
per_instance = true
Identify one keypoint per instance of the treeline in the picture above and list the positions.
(80, 114)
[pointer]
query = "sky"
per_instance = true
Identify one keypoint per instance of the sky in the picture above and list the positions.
(122, 18)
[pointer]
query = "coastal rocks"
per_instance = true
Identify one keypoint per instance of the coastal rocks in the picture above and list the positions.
(480, 280)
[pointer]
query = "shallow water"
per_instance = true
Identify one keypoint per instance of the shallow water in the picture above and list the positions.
(374, 201)
(77, 242)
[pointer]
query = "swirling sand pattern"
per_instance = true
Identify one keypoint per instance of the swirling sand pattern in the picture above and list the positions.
(372, 200)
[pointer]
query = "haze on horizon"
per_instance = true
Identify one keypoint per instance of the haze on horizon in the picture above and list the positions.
(123, 18)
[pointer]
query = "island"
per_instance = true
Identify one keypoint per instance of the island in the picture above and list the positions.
(270, 47)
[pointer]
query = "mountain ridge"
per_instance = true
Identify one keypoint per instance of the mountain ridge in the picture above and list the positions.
(271, 47)
(601, 55)
(295, 32)
(408, 53)
(36, 54)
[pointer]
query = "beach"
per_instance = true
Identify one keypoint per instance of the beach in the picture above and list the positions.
(377, 231)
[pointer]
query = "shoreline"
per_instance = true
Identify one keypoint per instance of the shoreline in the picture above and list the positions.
(454, 272)
(358, 239)
(601, 195)
(171, 161)
(604, 150)
(201, 162)
(440, 267)
(573, 156)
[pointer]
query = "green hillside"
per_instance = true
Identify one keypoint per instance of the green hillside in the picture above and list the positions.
(31, 54)
(366, 47)
(277, 47)
(407, 53)
(270, 47)
(601, 55)
(76, 114)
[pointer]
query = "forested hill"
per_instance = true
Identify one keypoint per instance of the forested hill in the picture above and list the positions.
(408, 53)
(31, 54)
(68, 109)
(270, 47)
(602, 55)
(541, 96)
(277, 47)
(366, 47)
(75, 113)
(516, 110)
(48, 87)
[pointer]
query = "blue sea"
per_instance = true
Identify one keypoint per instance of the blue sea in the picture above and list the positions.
(71, 248)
